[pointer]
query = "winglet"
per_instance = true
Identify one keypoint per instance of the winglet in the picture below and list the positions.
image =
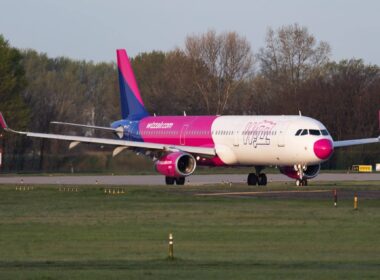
(2, 122)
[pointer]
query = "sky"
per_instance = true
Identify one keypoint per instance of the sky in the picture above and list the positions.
(94, 29)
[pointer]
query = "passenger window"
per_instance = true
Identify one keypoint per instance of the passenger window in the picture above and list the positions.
(304, 132)
(314, 132)
(324, 132)
(298, 132)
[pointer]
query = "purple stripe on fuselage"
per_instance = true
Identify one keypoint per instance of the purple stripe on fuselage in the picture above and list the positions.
(178, 130)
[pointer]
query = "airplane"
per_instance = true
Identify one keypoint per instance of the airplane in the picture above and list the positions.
(297, 145)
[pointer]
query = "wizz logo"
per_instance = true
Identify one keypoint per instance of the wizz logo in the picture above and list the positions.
(258, 133)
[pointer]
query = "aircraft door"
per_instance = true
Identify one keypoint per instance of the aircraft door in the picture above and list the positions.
(236, 138)
(281, 136)
(183, 134)
(236, 134)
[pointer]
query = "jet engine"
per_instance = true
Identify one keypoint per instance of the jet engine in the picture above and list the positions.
(176, 164)
(310, 172)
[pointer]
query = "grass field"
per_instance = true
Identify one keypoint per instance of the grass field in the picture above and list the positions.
(47, 234)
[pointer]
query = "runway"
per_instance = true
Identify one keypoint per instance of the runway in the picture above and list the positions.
(159, 180)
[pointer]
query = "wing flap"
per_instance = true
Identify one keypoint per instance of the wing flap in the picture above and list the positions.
(86, 126)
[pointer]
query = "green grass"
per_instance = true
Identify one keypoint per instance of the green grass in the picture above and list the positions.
(46, 234)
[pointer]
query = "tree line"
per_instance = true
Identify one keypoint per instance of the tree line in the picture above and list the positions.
(211, 74)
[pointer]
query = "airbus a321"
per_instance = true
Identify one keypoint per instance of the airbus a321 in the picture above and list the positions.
(297, 145)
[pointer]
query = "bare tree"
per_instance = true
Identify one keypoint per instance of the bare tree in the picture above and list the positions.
(290, 57)
(228, 59)
(292, 54)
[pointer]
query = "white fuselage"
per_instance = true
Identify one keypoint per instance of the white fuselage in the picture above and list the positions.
(266, 140)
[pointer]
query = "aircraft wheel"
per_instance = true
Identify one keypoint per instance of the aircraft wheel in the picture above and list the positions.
(169, 180)
(262, 180)
(252, 179)
(180, 181)
(301, 182)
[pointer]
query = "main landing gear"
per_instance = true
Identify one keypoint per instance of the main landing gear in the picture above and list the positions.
(257, 178)
(172, 180)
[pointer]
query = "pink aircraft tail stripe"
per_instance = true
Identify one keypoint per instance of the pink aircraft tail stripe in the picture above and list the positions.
(127, 72)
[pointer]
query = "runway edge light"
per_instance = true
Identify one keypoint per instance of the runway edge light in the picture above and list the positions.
(356, 201)
(335, 198)
(171, 245)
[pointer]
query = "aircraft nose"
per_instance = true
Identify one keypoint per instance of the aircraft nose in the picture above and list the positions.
(323, 148)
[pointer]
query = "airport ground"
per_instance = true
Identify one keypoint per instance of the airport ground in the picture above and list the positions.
(220, 231)
(100, 179)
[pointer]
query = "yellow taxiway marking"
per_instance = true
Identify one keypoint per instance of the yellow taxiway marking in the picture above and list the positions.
(266, 192)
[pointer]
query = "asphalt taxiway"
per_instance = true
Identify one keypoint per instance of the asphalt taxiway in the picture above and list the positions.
(159, 180)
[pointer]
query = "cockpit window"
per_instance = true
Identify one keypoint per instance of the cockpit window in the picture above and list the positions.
(315, 132)
(324, 132)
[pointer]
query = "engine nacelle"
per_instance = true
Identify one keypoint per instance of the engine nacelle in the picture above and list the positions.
(176, 164)
(310, 172)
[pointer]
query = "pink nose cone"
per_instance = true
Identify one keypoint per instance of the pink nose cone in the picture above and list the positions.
(323, 148)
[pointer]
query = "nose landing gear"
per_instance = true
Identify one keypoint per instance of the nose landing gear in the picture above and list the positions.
(300, 172)
(301, 182)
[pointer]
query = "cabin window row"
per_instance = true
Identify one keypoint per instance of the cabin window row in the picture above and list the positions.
(223, 132)
(260, 132)
(156, 132)
(170, 132)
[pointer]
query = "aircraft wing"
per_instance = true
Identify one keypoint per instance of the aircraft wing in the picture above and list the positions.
(114, 142)
(346, 143)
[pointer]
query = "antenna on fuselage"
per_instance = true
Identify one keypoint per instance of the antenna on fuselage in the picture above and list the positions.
(154, 114)
(300, 113)
(184, 113)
